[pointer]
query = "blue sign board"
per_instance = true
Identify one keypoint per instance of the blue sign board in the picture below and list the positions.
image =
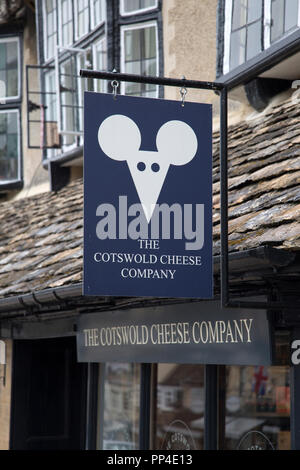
(147, 197)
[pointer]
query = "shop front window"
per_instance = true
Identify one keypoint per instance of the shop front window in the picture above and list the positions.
(121, 406)
(179, 410)
(257, 408)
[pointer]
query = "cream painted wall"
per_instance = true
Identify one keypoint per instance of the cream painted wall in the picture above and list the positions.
(189, 35)
(190, 49)
(5, 398)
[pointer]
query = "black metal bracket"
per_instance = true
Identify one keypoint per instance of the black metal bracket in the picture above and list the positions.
(222, 90)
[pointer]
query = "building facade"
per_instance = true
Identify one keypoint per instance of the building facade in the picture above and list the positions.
(49, 397)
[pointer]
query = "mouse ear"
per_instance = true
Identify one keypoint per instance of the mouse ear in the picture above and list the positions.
(119, 136)
(177, 140)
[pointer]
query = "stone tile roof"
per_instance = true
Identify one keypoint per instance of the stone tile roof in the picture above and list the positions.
(41, 236)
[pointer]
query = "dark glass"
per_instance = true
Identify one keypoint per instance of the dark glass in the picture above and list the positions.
(179, 411)
(121, 406)
(256, 404)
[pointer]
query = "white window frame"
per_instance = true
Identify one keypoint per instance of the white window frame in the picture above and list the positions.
(101, 40)
(145, 25)
(6, 99)
(135, 12)
(15, 110)
(60, 14)
(93, 16)
(47, 57)
(267, 24)
(76, 24)
(267, 30)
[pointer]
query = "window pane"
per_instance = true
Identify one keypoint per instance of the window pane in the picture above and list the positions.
(134, 5)
(180, 405)
(133, 45)
(51, 28)
(253, 40)
(99, 12)
(291, 14)
(100, 64)
(9, 73)
(239, 13)
(9, 145)
(66, 23)
(140, 58)
(82, 17)
(254, 10)
(121, 406)
(237, 48)
(277, 25)
(257, 408)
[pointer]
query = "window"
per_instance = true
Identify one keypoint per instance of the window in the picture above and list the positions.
(252, 26)
(10, 102)
(9, 146)
(121, 406)
(9, 69)
(82, 17)
(139, 56)
(257, 407)
(66, 23)
(100, 63)
(98, 8)
(130, 7)
(75, 36)
(50, 28)
(284, 17)
(246, 38)
(178, 419)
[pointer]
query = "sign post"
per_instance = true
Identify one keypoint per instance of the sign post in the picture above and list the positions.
(147, 197)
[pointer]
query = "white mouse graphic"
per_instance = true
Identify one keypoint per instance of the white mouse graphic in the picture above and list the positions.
(119, 137)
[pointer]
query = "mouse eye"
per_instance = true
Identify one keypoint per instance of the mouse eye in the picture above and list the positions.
(141, 166)
(155, 167)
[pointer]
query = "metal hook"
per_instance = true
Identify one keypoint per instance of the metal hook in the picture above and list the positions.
(114, 84)
(183, 92)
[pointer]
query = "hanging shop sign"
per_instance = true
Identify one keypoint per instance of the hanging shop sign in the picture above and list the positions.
(147, 197)
(193, 333)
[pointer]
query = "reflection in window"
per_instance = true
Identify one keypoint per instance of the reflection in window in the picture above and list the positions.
(257, 408)
(179, 417)
(50, 28)
(140, 57)
(284, 17)
(98, 12)
(246, 31)
(66, 22)
(69, 100)
(9, 68)
(9, 146)
(130, 6)
(83, 17)
(100, 63)
(121, 406)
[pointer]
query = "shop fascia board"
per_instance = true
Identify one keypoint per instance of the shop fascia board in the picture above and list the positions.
(260, 258)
